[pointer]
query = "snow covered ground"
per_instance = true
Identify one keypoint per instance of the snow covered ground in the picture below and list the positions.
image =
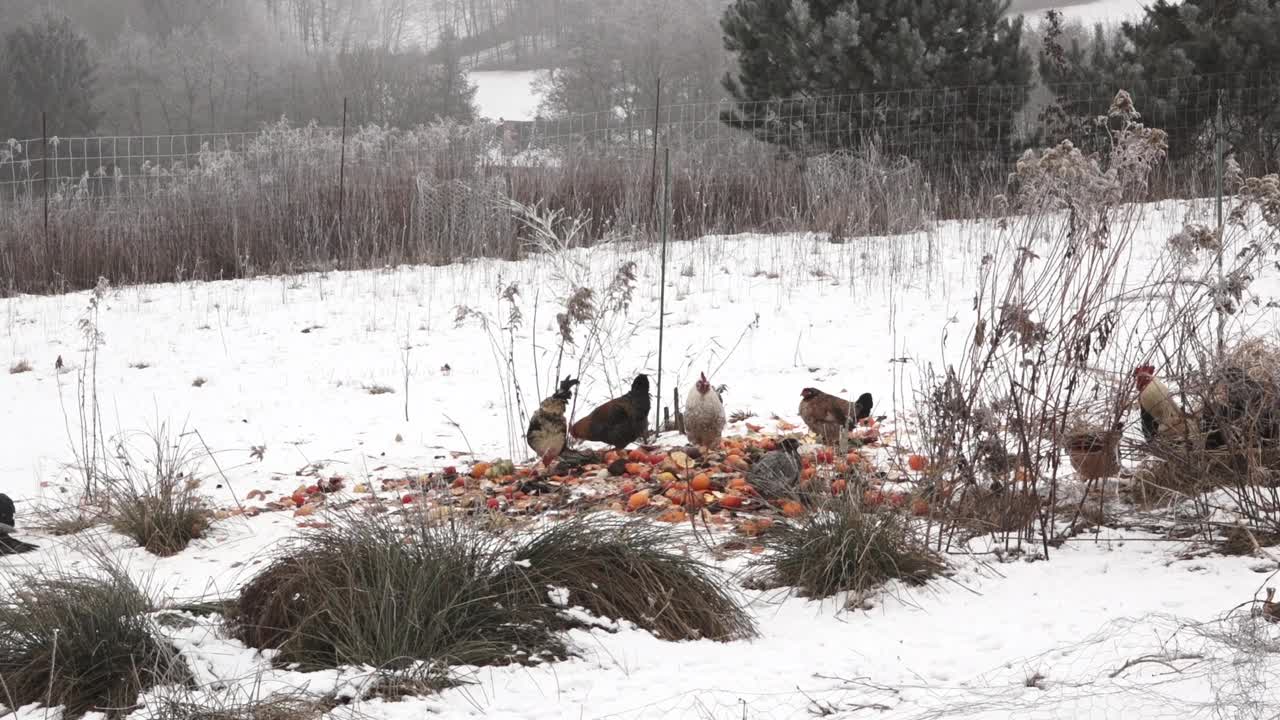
(507, 94)
(289, 363)
(1086, 11)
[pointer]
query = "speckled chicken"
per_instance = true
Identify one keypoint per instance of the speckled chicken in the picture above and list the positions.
(777, 474)
(548, 434)
(10, 545)
(828, 416)
(703, 414)
(619, 422)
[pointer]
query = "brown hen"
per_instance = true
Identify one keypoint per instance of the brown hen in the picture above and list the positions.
(828, 416)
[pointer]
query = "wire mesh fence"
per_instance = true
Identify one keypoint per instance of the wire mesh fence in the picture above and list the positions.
(845, 164)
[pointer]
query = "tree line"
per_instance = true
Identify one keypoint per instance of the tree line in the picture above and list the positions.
(187, 66)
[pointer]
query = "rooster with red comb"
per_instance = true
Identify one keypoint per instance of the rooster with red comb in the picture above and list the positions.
(1160, 413)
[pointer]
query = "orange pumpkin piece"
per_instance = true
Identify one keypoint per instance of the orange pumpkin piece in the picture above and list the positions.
(638, 500)
(675, 495)
(480, 469)
(627, 488)
(838, 485)
(738, 482)
(792, 509)
(917, 462)
(675, 515)
(701, 482)
(731, 501)
(872, 498)
(638, 456)
(808, 473)
(634, 468)
(611, 457)
(919, 507)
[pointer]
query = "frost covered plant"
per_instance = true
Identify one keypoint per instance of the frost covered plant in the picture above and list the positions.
(1192, 239)
(1263, 192)
(1063, 178)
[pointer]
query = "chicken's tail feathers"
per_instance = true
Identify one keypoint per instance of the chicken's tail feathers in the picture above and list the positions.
(566, 389)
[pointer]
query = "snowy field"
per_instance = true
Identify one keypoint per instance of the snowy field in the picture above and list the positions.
(313, 370)
(507, 94)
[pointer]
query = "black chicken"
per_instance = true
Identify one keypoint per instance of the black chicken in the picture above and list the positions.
(10, 545)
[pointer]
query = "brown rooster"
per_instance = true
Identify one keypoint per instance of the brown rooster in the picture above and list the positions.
(547, 435)
(620, 421)
(703, 414)
(828, 416)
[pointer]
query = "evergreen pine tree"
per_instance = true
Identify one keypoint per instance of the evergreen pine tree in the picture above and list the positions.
(1182, 58)
(835, 71)
(49, 70)
(455, 93)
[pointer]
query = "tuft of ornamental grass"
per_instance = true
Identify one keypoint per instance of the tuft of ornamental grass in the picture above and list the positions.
(634, 571)
(187, 705)
(83, 642)
(155, 499)
(412, 597)
(842, 548)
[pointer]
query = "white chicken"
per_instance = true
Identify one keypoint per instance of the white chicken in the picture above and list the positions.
(703, 414)
(1160, 412)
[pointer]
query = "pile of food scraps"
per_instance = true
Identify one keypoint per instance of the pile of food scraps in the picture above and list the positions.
(671, 485)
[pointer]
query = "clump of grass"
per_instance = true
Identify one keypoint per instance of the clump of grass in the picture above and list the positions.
(379, 389)
(412, 598)
(19, 367)
(82, 642)
(843, 548)
(156, 499)
(631, 571)
(198, 382)
(277, 706)
(139, 365)
(68, 519)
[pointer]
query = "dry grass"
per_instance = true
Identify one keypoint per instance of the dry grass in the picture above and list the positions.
(82, 642)
(411, 598)
(842, 548)
(633, 571)
(277, 706)
(154, 496)
(19, 366)
(415, 598)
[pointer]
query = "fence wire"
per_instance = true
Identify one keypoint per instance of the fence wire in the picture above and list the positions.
(977, 131)
(143, 209)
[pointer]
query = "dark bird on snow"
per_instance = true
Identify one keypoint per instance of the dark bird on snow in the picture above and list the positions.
(57, 364)
(777, 474)
(547, 434)
(8, 544)
(828, 416)
(619, 422)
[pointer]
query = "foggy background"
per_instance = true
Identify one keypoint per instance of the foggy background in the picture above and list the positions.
(189, 66)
